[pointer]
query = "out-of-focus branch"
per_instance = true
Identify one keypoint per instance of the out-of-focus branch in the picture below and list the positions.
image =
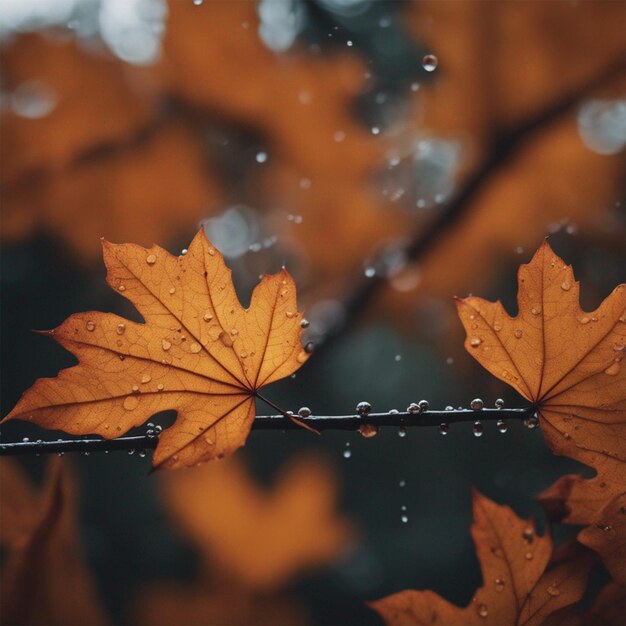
(506, 145)
(366, 423)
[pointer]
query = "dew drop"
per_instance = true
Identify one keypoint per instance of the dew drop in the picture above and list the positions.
(475, 342)
(309, 347)
(304, 411)
(146, 378)
(613, 369)
(585, 320)
(482, 611)
(211, 251)
(430, 62)
(363, 408)
(207, 317)
(565, 286)
(90, 326)
(518, 332)
(368, 430)
(302, 356)
(120, 329)
(528, 556)
(535, 310)
(502, 427)
(477, 404)
(226, 339)
(166, 345)
(423, 405)
(172, 291)
(160, 387)
(528, 534)
(151, 259)
(304, 323)
(444, 428)
(195, 347)
(131, 402)
(531, 422)
(499, 403)
(413, 408)
(553, 590)
(121, 288)
(289, 314)
(135, 388)
(499, 583)
(497, 327)
(477, 429)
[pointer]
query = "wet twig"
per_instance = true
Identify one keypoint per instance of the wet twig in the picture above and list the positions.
(404, 419)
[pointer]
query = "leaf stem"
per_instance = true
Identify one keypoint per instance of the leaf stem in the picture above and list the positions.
(276, 422)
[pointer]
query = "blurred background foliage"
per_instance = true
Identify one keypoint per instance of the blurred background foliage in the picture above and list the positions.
(392, 155)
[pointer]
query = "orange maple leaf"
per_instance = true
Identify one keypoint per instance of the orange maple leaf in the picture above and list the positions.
(519, 586)
(260, 538)
(199, 352)
(567, 362)
(43, 579)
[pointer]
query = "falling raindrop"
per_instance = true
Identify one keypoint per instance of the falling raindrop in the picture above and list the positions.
(477, 429)
(370, 272)
(397, 358)
(402, 483)
(261, 157)
(502, 427)
(444, 428)
(430, 62)
(375, 130)
(402, 432)
(347, 453)
(404, 519)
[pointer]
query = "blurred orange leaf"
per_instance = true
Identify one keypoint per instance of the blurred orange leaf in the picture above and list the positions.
(44, 580)
(519, 586)
(199, 352)
(566, 361)
(260, 538)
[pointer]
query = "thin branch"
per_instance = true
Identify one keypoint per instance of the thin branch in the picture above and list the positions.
(403, 419)
(507, 144)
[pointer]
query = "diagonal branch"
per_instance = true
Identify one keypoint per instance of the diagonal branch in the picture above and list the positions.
(506, 145)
